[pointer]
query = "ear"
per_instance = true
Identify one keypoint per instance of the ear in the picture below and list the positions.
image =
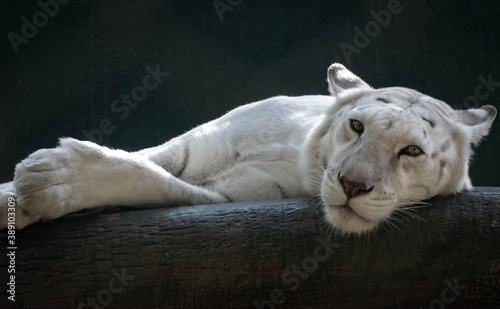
(477, 121)
(340, 79)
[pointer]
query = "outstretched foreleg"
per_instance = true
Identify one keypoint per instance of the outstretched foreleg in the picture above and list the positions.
(77, 175)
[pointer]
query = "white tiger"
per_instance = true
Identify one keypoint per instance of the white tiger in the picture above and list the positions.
(363, 151)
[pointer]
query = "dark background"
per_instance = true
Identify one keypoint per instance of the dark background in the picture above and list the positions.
(63, 80)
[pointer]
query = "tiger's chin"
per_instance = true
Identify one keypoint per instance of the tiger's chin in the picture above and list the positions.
(347, 220)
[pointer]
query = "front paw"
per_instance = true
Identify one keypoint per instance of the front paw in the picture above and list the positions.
(48, 183)
(10, 213)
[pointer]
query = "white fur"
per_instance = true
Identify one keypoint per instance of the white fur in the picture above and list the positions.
(277, 148)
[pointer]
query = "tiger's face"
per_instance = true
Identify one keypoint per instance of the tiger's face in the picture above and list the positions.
(380, 150)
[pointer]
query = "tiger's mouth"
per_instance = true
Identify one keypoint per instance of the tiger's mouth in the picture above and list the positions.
(350, 216)
(346, 212)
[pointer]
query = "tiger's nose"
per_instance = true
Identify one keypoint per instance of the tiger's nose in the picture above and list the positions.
(353, 189)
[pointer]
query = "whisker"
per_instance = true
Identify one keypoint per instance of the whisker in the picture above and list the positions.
(412, 202)
(388, 221)
(410, 214)
(397, 219)
(400, 221)
(414, 208)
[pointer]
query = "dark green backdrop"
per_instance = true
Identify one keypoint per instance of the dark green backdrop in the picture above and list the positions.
(68, 71)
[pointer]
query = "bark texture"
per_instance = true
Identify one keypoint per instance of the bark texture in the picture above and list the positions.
(274, 254)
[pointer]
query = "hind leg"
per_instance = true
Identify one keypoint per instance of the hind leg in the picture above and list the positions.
(76, 175)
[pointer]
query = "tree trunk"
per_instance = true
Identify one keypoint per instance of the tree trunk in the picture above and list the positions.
(274, 254)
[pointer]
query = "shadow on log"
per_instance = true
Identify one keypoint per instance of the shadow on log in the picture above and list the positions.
(274, 254)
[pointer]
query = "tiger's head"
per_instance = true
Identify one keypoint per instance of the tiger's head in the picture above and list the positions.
(379, 149)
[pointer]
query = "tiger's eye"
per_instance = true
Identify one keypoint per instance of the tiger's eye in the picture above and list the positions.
(357, 126)
(412, 151)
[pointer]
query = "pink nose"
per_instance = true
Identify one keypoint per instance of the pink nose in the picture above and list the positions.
(353, 189)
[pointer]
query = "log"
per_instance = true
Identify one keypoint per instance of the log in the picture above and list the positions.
(272, 254)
